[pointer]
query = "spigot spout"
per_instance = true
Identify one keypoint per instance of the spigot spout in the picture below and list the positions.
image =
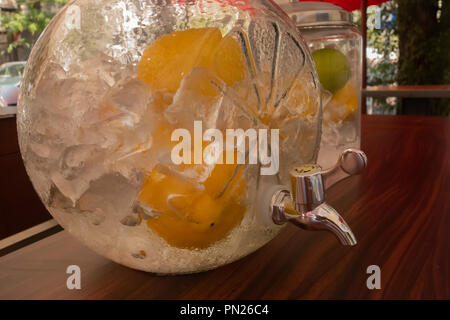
(323, 217)
(326, 218)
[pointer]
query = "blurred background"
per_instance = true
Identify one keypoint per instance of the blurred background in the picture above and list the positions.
(407, 44)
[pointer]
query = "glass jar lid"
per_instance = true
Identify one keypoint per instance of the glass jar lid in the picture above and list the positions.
(314, 13)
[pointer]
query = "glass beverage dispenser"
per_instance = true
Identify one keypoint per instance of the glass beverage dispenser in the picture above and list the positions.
(336, 46)
(111, 83)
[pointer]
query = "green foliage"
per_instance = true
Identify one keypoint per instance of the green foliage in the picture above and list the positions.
(29, 18)
(383, 39)
(414, 49)
(382, 73)
(444, 39)
(424, 31)
(418, 30)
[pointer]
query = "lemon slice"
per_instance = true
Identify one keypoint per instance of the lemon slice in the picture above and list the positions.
(170, 58)
(192, 217)
(342, 105)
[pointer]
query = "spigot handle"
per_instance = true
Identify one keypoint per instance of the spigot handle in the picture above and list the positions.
(351, 162)
(309, 182)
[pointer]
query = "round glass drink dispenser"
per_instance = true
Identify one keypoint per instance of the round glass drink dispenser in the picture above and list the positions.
(336, 46)
(119, 107)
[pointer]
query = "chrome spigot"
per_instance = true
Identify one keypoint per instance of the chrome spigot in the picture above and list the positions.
(305, 207)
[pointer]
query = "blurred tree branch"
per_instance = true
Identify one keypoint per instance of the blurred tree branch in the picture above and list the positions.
(30, 18)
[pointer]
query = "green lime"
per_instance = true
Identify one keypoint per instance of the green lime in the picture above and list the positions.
(333, 68)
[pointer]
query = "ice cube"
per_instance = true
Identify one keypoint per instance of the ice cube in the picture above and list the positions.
(74, 159)
(122, 105)
(74, 186)
(198, 98)
(112, 193)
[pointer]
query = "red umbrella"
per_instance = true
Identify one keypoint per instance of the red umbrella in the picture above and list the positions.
(350, 5)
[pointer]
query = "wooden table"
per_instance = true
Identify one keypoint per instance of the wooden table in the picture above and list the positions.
(399, 210)
(424, 91)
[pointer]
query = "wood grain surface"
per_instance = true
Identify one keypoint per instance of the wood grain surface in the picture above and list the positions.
(399, 210)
